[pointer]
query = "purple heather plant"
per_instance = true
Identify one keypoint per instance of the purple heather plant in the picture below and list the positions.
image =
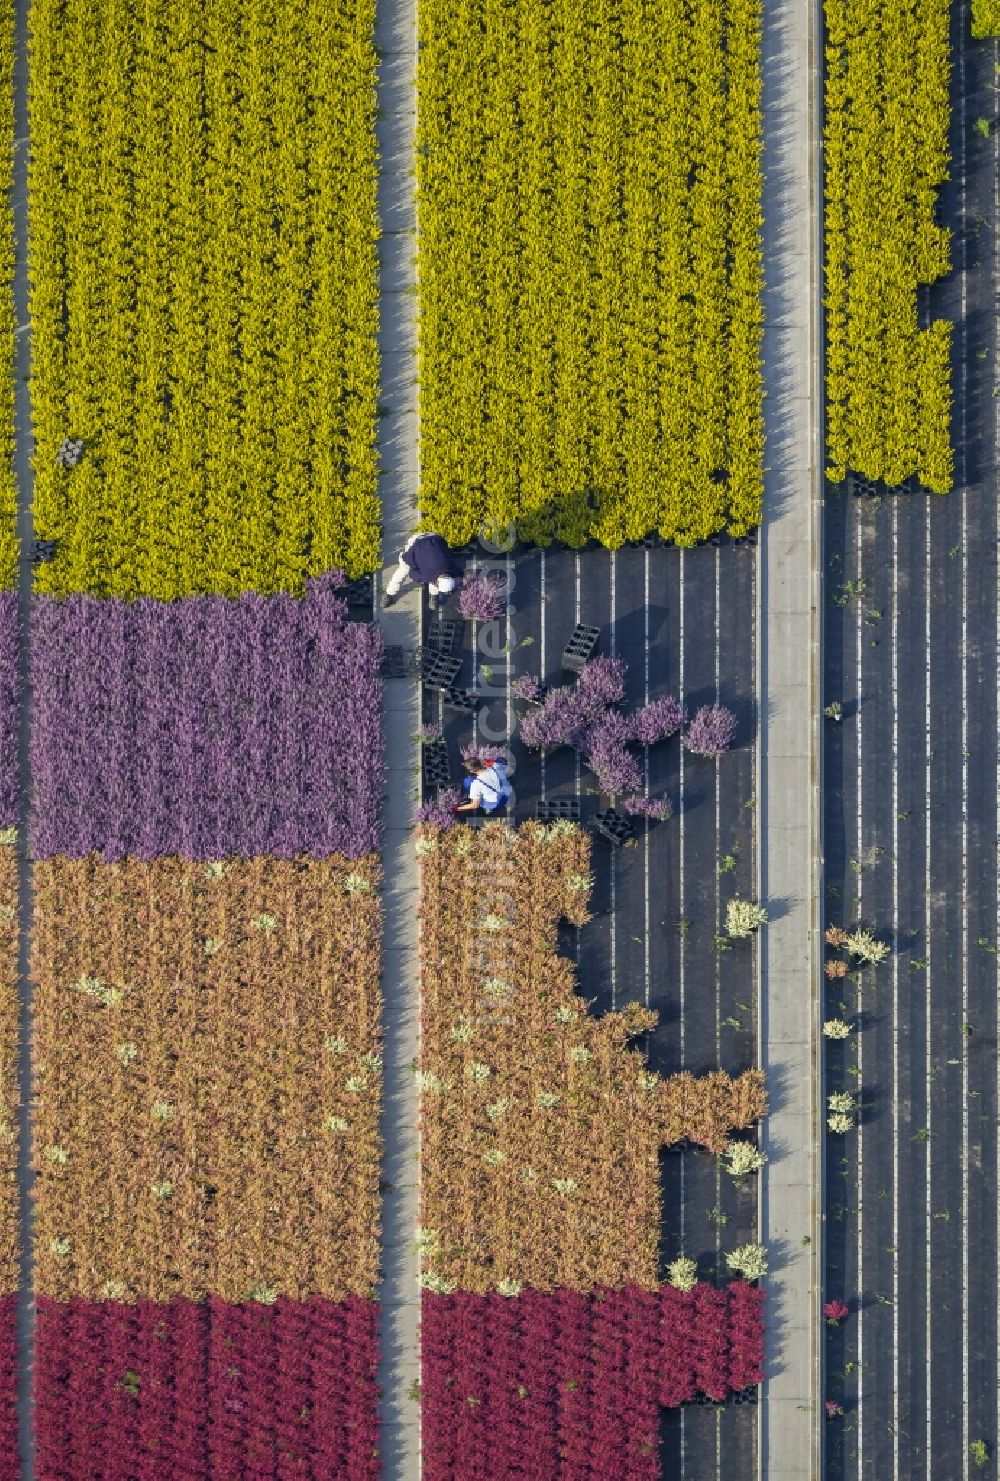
(647, 807)
(8, 708)
(439, 810)
(483, 596)
(206, 727)
(603, 679)
(563, 716)
(616, 769)
(426, 734)
(711, 731)
(476, 752)
(657, 720)
(526, 687)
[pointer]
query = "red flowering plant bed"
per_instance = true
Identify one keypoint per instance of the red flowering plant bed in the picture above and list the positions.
(570, 1383)
(180, 1390)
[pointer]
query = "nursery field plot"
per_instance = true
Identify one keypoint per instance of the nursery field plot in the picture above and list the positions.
(911, 786)
(590, 273)
(203, 294)
(541, 1188)
(888, 376)
(684, 623)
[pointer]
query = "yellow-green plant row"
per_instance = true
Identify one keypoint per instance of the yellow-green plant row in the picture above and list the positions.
(8, 484)
(986, 17)
(203, 271)
(887, 112)
(590, 267)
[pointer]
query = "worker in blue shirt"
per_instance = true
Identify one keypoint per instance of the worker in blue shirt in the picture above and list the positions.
(426, 560)
(488, 787)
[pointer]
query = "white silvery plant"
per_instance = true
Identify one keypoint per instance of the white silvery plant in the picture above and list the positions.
(837, 1028)
(748, 1260)
(866, 946)
(743, 917)
(741, 1158)
(682, 1273)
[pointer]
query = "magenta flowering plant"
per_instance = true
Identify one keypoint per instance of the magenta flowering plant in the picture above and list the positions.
(192, 1388)
(604, 679)
(206, 727)
(473, 751)
(616, 769)
(565, 1382)
(658, 720)
(835, 1311)
(657, 808)
(528, 686)
(561, 720)
(711, 731)
(427, 734)
(9, 1461)
(483, 596)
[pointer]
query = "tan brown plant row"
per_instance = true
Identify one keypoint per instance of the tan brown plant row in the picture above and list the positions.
(541, 1129)
(9, 1087)
(207, 1059)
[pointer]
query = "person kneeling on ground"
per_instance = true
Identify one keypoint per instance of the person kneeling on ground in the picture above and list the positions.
(488, 787)
(426, 560)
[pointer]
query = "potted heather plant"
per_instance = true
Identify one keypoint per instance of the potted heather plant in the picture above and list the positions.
(528, 690)
(711, 731)
(483, 597)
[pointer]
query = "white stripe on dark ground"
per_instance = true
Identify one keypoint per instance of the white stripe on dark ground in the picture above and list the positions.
(614, 852)
(963, 466)
(718, 901)
(928, 955)
(645, 765)
(859, 855)
(576, 754)
(683, 936)
(541, 665)
(895, 987)
(996, 445)
(509, 658)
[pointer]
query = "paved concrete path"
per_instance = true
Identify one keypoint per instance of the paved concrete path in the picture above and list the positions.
(400, 1411)
(790, 707)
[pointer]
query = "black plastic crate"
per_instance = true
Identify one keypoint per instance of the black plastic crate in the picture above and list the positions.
(359, 593)
(745, 1396)
(863, 488)
(43, 551)
(462, 700)
(442, 635)
(580, 647)
(400, 663)
(614, 827)
(439, 670)
(558, 810)
(436, 764)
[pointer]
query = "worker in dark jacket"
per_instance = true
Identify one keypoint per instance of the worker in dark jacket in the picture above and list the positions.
(426, 560)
